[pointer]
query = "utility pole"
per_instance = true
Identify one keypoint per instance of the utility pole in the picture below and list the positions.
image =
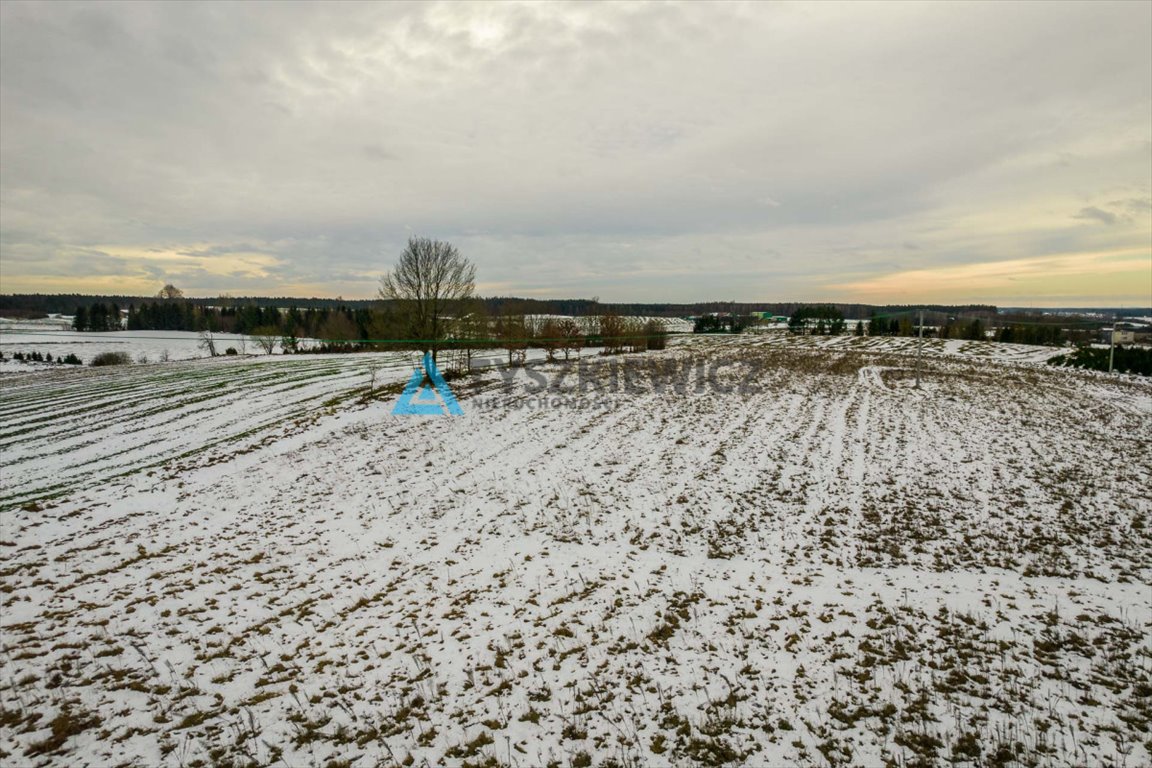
(920, 349)
(1111, 344)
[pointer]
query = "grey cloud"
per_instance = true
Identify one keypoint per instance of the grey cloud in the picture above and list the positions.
(1097, 214)
(225, 249)
(324, 135)
(376, 152)
(1138, 205)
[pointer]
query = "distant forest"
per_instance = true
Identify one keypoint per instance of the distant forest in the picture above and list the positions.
(39, 305)
(345, 326)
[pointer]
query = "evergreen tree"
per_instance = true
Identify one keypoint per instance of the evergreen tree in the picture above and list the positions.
(97, 317)
(708, 324)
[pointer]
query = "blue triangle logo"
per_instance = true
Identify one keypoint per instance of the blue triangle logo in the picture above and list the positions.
(420, 400)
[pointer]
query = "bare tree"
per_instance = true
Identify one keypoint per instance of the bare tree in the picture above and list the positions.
(430, 282)
(266, 337)
(612, 333)
(572, 335)
(656, 334)
(634, 334)
(471, 331)
(339, 328)
(550, 337)
(170, 291)
(208, 343)
(512, 330)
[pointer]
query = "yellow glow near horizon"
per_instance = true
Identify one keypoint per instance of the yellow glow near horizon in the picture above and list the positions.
(1102, 278)
(1122, 276)
(175, 263)
(100, 285)
(194, 256)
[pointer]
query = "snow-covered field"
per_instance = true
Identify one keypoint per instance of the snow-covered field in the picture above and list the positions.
(748, 551)
(141, 346)
(1023, 353)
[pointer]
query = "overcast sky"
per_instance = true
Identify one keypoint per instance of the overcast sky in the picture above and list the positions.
(894, 152)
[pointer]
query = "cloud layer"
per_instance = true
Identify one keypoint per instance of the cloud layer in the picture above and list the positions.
(630, 151)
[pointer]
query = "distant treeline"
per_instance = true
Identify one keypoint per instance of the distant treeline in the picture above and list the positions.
(1017, 328)
(35, 304)
(1014, 328)
(341, 322)
(1044, 331)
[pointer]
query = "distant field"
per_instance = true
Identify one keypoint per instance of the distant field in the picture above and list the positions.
(745, 550)
(140, 346)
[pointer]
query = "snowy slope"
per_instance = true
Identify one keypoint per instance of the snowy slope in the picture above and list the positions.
(990, 350)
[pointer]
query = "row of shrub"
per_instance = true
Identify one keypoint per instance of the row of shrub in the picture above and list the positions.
(37, 357)
(102, 359)
(343, 323)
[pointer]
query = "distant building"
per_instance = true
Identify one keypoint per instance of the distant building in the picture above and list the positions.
(1119, 336)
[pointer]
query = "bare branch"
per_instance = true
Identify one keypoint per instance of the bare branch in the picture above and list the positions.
(430, 281)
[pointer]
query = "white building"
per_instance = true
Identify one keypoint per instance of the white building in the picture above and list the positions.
(1122, 336)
